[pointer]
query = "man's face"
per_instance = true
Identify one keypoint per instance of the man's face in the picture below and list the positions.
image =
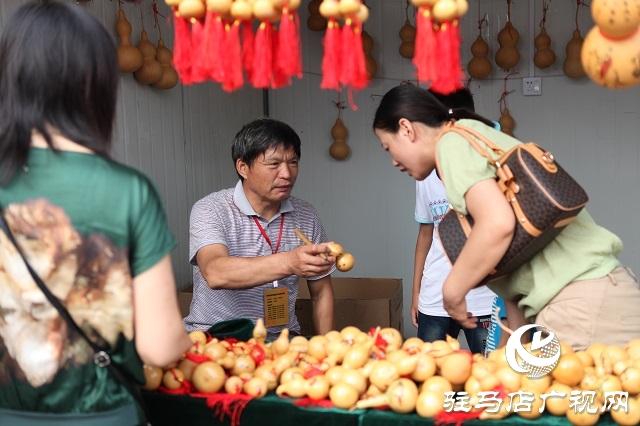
(271, 176)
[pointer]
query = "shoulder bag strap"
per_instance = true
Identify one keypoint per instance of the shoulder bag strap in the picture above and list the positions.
(100, 357)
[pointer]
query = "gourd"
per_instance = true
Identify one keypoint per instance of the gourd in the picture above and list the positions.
(507, 56)
(129, 56)
(610, 49)
(367, 46)
(151, 70)
(544, 56)
(479, 66)
(339, 148)
(572, 67)
(169, 78)
(315, 21)
(408, 36)
(507, 123)
(192, 9)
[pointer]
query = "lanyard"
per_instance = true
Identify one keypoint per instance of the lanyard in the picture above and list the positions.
(266, 237)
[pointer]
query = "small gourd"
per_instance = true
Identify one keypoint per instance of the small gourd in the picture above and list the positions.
(367, 47)
(339, 148)
(315, 21)
(408, 36)
(507, 56)
(507, 122)
(169, 78)
(544, 56)
(129, 56)
(241, 10)
(572, 65)
(479, 66)
(192, 9)
(151, 70)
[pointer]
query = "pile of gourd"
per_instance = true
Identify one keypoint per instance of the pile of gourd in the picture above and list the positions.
(356, 369)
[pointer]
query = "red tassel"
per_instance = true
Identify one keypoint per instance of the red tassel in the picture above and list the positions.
(425, 46)
(233, 56)
(215, 42)
(331, 61)
(360, 76)
(348, 54)
(449, 75)
(182, 47)
(308, 402)
(247, 48)
(263, 56)
(228, 405)
(279, 76)
(198, 71)
(455, 417)
(288, 53)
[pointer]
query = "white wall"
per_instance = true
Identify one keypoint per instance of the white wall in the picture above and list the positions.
(181, 137)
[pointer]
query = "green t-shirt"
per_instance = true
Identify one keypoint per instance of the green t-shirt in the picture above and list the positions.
(87, 225)
(583, 250)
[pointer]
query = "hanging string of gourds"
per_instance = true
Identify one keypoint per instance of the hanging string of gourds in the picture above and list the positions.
(437, 47)
(215, 41)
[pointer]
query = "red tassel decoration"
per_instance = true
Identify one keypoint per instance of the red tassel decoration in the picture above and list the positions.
(425, 46)
(263, 56)
(449, 75)
(228, 405)
(288, 52)
(198, 71)
(360, 76)
(247, 48)
(348, 52)
(331, 61)
(279, 75)
(233, 56)
(215, 42)
(182, 47)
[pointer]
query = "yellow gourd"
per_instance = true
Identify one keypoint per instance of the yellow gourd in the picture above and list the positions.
(479, 66)
(129, 56)
(544, 56)
(408, 36)
(339, 148)
(151, 70)
(367, 46)
(192, 9)
(315, 21)
(169, 78)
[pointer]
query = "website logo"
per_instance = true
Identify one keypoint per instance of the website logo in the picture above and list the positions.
(544, 354)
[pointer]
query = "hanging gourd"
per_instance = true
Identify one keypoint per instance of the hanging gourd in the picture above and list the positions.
(437, 49)
(315, 21)
(129, 56)
(479, 66)
(507, 56)
(407, 35)
(611, 49)
(572, 67)
(169, 78)
(151, 70)
(367, 47)
(544, 57)
(344, 60)
(339, 133)
(507, 123)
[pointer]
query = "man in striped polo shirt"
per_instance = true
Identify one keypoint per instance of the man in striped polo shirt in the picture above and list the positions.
(245, 254)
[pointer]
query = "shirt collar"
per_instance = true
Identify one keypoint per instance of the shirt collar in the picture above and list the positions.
(241, 201)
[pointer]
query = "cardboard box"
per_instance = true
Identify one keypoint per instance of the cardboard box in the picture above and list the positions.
(184, 300)
(361, 302)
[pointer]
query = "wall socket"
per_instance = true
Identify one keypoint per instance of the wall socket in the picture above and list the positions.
(532, 86)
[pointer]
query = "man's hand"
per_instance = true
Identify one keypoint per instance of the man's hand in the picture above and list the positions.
(414, 313)
(308, 260)
(456, 306)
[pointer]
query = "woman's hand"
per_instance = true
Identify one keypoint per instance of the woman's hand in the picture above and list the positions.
(453, 298)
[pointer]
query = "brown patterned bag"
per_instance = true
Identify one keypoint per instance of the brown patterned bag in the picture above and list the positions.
(543, 196)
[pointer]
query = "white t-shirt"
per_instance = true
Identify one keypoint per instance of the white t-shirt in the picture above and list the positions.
(431, 205)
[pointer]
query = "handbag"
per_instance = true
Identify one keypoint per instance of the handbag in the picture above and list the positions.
(100, 357)
(544, 198)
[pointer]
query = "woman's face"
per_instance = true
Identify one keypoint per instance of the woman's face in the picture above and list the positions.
(409, 154)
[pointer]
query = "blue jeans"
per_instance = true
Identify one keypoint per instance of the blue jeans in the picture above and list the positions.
(431, 328)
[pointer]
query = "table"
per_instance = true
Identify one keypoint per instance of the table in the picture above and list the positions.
(179, 410)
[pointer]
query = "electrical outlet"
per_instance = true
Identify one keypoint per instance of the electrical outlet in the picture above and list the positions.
(532, 86)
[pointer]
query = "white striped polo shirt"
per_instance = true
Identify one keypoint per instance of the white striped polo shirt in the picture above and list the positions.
(226, 217)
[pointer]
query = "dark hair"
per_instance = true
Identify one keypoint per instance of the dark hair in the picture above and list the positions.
(261, 135)
(417, 104)
(461, 98)
(58, 71)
